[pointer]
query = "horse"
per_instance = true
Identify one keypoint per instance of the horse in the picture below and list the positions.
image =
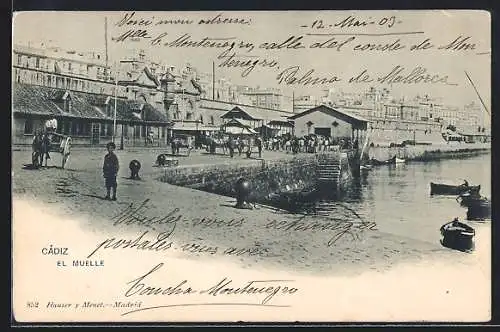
(42, 145)
(40, 149)
(214, 143)
(177, 143)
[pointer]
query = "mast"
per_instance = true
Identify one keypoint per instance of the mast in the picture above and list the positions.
(477, 92)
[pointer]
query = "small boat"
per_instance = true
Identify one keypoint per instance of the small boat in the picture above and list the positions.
(467, 199)
(448, 189)
(479, 210)
(292, 200)
(392, 161)
(457, 235)
(376, 162)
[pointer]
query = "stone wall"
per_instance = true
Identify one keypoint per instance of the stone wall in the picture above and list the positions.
(430, 152)
(266, 177)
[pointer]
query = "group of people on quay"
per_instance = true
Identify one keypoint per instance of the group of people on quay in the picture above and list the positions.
(233, 144)
(309, 143)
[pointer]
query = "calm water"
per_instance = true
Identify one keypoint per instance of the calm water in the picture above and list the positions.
(398, 197)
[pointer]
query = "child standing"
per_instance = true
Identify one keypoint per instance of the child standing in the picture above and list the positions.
(110, 170)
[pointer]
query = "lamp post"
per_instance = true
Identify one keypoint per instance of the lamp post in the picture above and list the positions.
(114, 116)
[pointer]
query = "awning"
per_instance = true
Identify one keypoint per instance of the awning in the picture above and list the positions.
(239, 130)
(192, 127)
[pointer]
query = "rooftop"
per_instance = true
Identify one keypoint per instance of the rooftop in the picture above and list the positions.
(45, 101)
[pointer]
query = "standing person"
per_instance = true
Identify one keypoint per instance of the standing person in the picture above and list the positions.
(231, 146)
(301, 144)
(288, 145)
(46, 146)
(110, 170)
(258, 141)
(239, 145)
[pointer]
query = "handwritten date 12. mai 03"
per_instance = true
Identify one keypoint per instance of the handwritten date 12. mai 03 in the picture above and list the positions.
(352, 21)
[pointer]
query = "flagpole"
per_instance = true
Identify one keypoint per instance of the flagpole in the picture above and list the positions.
(213, 80)
(114, 116)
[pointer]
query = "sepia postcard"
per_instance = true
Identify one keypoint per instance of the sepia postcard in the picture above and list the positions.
(251, 166)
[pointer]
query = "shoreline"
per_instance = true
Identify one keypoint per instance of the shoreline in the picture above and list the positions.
(296, 248)
(422, 153)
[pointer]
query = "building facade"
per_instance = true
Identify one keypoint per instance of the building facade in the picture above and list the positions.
(79, 91)
(329, 122)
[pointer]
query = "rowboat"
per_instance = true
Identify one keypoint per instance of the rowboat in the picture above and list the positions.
(457, 235)
(448, 189)
(392, 161)
(467, 199)
(479, 210)
(292, 200)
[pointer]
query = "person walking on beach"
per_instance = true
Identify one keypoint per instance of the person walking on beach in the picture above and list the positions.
(110, 170)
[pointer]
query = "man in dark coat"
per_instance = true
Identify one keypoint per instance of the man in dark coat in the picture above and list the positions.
(231, 146)
(110, 170)
(258, 141)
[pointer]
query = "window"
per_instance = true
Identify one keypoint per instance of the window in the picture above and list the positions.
(103, 130)
(212, 119)
(67, 103)
(201, 119)
(87, 128)
(37, 62)
(110, 129)
(67, 127)
(74, 128)
(108, 109)
(69, 66)
(19, 59)
(28, 126)
(189, 116)
(82, 127)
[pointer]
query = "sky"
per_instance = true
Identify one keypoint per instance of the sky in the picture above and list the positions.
(84, 31)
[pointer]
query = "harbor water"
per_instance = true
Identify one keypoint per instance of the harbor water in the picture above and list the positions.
(397, 197)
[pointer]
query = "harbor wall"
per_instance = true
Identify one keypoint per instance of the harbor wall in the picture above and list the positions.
(430, 152)
(274, 176)
(266, 176)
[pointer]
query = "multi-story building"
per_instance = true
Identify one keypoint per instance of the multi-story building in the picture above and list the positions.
(271, 98)
(54, 67)
(78, 89)
(304, 103)
(474, 115)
